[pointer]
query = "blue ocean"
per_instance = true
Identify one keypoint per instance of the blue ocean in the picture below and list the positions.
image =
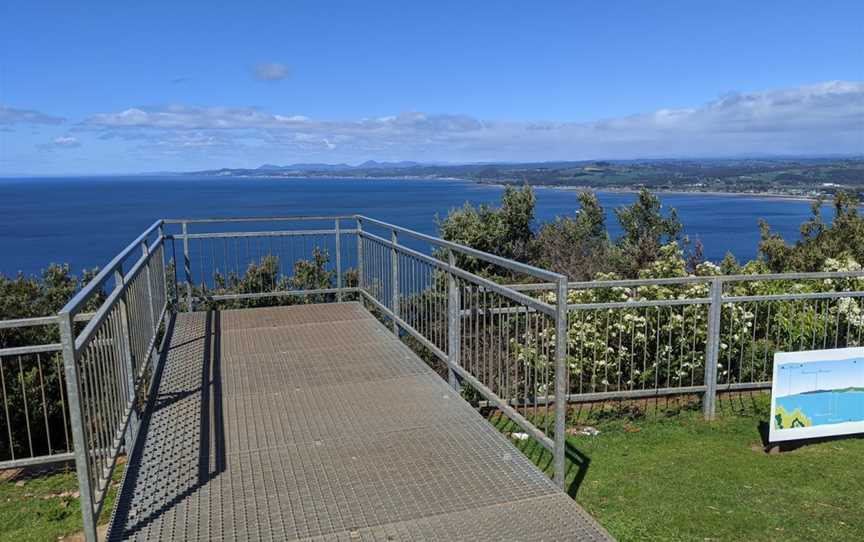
(85, 221)
(826, 407)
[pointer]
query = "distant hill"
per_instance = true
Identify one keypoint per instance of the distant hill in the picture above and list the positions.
(790, 176)
(304, 167)
(850, 389)
(372, 164)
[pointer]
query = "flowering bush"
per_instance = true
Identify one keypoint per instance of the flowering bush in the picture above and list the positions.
(616, 348)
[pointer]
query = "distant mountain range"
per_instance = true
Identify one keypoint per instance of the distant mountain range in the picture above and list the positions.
(369, 164)
(794, 176)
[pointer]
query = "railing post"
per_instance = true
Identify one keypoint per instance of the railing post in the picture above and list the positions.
(187, 267)
(454, 324)
(76, 418)
(561, 383)
(154, 318)
(126, 349)
(712, 349)
(338, 262)
(145, 251)
(394, 278)
(360, 285)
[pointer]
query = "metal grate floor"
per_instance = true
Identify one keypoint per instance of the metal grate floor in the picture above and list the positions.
(315, 423)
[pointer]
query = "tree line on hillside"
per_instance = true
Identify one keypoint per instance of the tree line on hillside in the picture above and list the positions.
(581, 247)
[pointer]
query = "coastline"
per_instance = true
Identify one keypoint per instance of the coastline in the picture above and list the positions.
(677, 192)
(713, 193)
(576, 188)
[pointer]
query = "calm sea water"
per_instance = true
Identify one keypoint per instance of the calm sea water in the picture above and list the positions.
(826, 407)
(85, 221)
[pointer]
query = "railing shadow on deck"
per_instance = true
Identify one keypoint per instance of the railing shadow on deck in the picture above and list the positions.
(211, 437)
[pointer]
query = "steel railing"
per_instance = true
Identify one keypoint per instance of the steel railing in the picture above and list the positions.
(479, 329)
(35, 420)
(522, 338)
(483, 331)
(700, 335)
(108, 360)
(35, 415)
(218, 263)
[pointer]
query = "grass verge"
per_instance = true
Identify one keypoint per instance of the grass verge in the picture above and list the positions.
(42, 506)
(655, 476)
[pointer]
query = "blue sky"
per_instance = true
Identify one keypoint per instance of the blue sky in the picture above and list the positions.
(797, 378)
(99, 87)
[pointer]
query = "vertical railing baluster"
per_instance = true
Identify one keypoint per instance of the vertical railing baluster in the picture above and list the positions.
(454, 324)
(76, 417)
(338, 262)
(125, 349)
(394, 279)
(561, 383)
(187, 267)
(712, 352)
(145, 251)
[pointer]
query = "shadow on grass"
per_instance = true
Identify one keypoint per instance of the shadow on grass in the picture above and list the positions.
(792, 445)
(577, 462)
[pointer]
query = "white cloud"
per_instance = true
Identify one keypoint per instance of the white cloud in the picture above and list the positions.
(9, 115)
(270, 71)
(822, 118)
(193, 118)
(66, 142)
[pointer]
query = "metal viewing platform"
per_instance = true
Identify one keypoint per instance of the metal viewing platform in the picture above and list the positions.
(315, 422)
(262, 378)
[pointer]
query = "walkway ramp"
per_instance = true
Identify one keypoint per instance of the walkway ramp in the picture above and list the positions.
(314, 422)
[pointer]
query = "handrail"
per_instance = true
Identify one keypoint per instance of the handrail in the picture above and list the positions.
(84, 294)
(630, 283)
(503, 289)
(28, 322)
(485, 256)
(491, 258)
(36, 321)
(214, 220)
(99, 316)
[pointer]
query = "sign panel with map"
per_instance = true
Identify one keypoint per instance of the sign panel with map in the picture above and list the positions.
(817, 393)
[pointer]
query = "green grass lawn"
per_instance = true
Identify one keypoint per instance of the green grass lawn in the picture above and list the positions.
(653, 474)
(43, 507)
(657, 476)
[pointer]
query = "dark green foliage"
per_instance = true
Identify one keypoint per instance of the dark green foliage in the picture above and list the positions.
(505, 231)
(842, 238)
(25, 378)
(646, 229)
(730, 265)
(265, 277)
(580, 246)
(28, 297)
(313, 275)
(576, 246)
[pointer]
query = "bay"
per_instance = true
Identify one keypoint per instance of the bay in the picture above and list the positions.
(85, 221)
